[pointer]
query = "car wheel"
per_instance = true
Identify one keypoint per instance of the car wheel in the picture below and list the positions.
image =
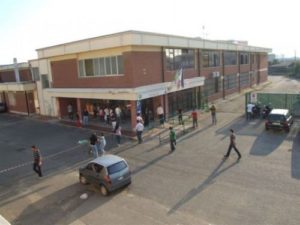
(103, 190)
(82, 179)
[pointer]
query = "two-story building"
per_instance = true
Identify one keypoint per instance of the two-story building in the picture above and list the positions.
(18, 89)
(137, 71)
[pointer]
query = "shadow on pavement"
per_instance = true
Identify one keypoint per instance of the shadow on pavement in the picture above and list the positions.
(57, 207)
(209, 180)
(267, 142)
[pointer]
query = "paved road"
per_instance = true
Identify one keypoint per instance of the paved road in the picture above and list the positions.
(191, 186)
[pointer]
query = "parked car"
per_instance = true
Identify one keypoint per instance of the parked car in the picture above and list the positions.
(279, 119)
(2, 107)
(108, 172)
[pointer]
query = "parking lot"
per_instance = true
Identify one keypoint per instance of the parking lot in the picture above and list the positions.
(193, 185)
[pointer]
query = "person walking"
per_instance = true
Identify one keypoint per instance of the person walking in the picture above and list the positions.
(180, 116)
(139, 131)
(85, 118)
(102, 144)
(172, 139)
(195, 118)
(232, 145)
(70, 111)
(160, 113)
(213, 114)
(37, 160)
(93, 143)
(118, 133)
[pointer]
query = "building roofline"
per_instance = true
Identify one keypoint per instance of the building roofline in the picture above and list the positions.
(141, 38)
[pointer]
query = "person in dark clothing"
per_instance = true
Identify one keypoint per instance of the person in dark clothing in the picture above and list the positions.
(37, 160)
(93, 143)
(172, 139)
(213, 114)
(180, 116)
(232, 145)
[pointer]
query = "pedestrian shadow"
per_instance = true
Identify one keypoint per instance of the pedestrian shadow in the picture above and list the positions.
(62, 207)
(201, 187)
(295, 159)
(148, 164)
(241, 127)
(266, 142)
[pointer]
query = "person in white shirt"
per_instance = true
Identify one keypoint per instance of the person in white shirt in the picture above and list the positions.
(249, 110)
(70, 111)
(118, 112)
(139, 128)
(160, 113)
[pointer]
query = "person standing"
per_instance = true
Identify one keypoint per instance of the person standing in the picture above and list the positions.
(118, 113)
(213, 114)
(172, 139)
(139, 131)
(180, 116)
(250, 107)
(37, 160)
(195, 118)
(232, 145)
(102, 142)
(70, 111)
(93, 143)
(118, 133)
(160, 113)
(85, 118)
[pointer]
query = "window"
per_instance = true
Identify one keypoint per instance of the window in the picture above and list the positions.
(101, 66)
(180, 58)
(230, 81)
(35, 73)
(244, 58)
(212, 85)
(210, 58)
(230, 58)
(116, 167)
(45, 81)
(253, 56)
(244, 79)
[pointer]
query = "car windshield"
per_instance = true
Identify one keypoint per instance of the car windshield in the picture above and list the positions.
(276, 117)
(116, 167)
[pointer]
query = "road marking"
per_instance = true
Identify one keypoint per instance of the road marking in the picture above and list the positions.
(44, 158)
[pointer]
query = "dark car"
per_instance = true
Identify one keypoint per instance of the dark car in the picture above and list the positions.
(2, 107)
(108, 172)
(279, 119)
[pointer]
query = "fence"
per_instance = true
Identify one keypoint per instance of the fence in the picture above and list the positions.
(276, 100)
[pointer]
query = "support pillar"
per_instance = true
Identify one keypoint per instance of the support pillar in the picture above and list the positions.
(133, 114)
(79, 109)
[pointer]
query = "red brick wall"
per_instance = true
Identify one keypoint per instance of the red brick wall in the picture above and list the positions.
(207, 72)
(63, 105)
(140, 68)
(245, 68)
(20, 105)
(231, 70)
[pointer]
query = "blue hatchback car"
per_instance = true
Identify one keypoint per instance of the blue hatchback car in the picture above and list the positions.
(108, 172)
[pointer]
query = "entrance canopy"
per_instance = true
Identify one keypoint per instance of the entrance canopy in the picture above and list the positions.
(138, 93)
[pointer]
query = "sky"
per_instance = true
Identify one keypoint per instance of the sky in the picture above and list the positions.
(26, 25)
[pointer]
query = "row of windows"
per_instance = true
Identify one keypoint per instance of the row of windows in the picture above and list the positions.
(101, 66)
(185, 58)
(180, 58)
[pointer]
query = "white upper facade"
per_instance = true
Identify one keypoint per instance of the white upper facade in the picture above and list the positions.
(140, 38)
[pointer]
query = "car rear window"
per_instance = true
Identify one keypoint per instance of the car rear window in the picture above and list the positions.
(276, 117)
(116, 167)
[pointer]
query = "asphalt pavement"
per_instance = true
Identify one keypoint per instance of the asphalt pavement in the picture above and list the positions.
(193, 185)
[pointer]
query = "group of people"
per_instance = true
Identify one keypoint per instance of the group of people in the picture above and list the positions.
(97, 144)
(105, 114)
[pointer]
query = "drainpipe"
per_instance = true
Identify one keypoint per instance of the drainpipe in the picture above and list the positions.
(163, 77)
(223, 74)
(27, 105)
(16, 69)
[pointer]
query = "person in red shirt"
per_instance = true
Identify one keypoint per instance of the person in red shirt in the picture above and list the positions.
(195, 118)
